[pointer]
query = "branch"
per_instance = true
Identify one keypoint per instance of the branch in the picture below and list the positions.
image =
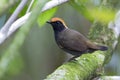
(115, 26)
(53, 3)
(109, 78)
(29, 7)
(5, 28)
(88, 66)
(23, 19)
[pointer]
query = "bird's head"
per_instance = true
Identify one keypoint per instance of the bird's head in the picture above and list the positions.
(58, 24)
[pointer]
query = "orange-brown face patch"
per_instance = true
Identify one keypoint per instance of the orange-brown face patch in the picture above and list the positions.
(58, 19)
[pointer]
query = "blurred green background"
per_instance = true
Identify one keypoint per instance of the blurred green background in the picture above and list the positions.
(39, 56)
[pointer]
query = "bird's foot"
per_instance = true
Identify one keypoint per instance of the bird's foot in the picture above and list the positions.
(73, 58)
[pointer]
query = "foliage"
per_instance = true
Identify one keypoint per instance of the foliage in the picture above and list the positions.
(46, 15)
(93, 11)
(90, 9)
(11, 57)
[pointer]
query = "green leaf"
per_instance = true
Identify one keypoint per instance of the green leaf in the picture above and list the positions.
(94, 11)
(16, 65)
(46, 15)
(103, 15)
(82, 7)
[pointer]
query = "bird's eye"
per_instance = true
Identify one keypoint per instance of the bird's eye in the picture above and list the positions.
(58, 22)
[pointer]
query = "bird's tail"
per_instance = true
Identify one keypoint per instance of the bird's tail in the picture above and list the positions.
(103, 48)
(94, 47)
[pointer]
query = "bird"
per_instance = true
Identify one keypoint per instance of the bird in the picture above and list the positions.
(72, 41)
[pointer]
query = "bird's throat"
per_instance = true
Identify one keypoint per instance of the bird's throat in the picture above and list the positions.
(58, 29)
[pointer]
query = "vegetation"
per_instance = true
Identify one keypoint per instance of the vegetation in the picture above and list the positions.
(30, 53)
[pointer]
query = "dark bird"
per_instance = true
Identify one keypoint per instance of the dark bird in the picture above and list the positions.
(71, 40)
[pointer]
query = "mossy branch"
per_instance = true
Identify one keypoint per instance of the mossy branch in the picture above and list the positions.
(82, 69)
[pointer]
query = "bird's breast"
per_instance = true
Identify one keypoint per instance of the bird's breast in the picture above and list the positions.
(59, 38)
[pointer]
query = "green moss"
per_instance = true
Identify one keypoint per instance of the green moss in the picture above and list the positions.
(85, 65)
(101, 34)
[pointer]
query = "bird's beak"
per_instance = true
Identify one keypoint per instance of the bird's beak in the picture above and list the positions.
(49, 22)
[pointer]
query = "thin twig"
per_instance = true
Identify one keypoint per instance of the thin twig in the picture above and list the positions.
(53, 3)
(5, 28)
(29, 7)
(17, 24)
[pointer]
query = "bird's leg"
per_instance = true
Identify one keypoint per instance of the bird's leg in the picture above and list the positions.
(73, 58)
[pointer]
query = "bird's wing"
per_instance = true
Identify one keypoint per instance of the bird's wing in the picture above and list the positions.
(73, 40)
